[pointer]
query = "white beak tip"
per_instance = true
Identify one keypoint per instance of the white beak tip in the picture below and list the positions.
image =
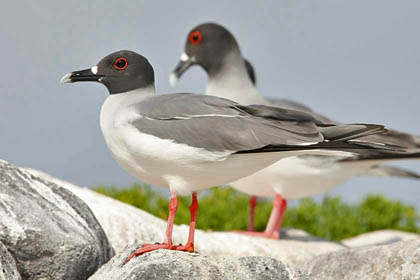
(66, 79)
(173, 79)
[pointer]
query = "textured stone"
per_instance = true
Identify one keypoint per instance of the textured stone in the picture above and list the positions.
(8, 269)
(164, 264)
(399, 260)
(126, 225)
(379, 237)
(51, 233)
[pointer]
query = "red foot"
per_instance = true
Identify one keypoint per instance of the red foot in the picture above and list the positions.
(185, 248)
(152, 247)
(273, 235)
(147, 248)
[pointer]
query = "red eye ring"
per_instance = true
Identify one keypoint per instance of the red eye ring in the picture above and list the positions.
(121, 63)
(195, 37)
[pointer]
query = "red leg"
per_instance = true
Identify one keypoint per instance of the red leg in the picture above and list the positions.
(190, 243)
(251, 228)
(280, 220)
(252, 205)
(276, 218)
(173, 206)
(274, 223)
(189, 247)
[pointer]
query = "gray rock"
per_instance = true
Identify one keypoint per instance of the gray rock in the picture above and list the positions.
(8, 269)
(399, 260)
(51, 233)
(125, 225)
(164, 264)
(379, 237)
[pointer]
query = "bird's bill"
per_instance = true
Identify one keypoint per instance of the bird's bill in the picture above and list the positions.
(80, 76)
(184, 63)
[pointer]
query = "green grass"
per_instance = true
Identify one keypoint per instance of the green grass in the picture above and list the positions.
(227, 209)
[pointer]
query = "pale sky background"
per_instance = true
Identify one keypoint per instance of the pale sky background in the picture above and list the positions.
(355, 61)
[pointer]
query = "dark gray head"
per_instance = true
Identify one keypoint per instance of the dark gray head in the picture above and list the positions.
(120, 71)
(207, 45)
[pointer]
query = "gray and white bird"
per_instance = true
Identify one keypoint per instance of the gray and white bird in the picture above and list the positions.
(215, 49)
(190, 142)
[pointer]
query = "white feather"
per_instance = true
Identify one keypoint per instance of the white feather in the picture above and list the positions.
(94, 69)
(184, 57)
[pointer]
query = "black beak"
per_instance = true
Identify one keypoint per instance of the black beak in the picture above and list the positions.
(182, 66)
(80, 76)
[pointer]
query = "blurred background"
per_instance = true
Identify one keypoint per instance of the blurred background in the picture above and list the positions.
(355, 61)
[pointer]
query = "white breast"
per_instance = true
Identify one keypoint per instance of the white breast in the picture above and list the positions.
(118, 133)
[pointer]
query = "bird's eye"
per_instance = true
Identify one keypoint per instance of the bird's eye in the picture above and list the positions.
(120, 63)
(196, 37)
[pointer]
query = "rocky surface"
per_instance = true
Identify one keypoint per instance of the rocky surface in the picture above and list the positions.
(164, 264)
(126, 225)
(51, 233)
(379, 237)
(399, 260)
(8, 269)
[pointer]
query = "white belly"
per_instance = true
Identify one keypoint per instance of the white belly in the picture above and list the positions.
(298, 177)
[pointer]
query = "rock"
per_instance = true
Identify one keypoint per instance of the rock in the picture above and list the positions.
(399, 260)
(50, 232)
(164, 264)
(379, 237)
(126, 225)
(8, 269)
(297, 246)
(123, 224)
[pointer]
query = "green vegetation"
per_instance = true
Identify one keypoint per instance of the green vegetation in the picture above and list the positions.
(227, 209)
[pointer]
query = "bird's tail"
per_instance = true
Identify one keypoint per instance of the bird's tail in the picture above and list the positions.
(343, 137)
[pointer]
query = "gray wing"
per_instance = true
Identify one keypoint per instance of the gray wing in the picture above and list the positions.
(218, 124)
(293, 105)
(290, 104)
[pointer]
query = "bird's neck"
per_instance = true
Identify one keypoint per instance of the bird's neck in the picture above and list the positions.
(115, 103)
(128, 98)
(231, 81)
